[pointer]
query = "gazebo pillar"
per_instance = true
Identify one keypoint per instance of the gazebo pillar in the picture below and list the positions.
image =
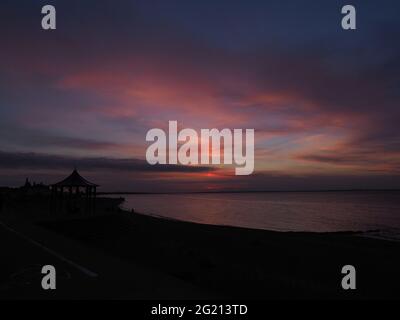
(94, 199)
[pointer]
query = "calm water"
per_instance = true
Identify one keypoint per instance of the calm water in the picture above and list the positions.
(283, 211)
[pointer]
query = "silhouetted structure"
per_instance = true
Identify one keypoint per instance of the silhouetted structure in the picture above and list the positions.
(74, 194)
(33, 189)
(27, 184)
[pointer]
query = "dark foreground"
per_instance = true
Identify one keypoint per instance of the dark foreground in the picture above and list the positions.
(141, 257)
(137, 256)
(243, 263)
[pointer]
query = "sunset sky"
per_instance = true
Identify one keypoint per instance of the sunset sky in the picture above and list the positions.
(324, 102)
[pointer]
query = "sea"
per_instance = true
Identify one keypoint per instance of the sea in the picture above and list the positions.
(376, 213)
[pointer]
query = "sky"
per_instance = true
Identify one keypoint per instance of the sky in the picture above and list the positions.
(324, 102)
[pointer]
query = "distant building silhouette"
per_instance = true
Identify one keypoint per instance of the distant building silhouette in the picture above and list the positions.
(27, 184)
(34, 189)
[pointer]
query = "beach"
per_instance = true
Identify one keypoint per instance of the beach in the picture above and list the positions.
(198, 261)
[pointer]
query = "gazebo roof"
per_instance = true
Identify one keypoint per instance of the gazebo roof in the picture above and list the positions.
(75, 180)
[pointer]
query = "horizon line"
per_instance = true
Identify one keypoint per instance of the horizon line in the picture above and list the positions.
(250, 191)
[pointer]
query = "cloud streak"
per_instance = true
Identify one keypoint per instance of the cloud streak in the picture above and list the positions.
(50, 162)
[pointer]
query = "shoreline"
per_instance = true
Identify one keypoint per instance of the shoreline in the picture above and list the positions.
(380, 234)
(345, 232)
(242, 263)
(193, 260)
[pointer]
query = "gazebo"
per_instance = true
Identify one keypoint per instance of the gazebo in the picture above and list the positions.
(74, 194)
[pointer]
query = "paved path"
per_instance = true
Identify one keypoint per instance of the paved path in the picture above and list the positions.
(22, 259)
(82, 273)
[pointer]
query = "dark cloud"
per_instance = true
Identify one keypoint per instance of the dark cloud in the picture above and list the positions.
(28, 161)
(19, 136)
(358, 159)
